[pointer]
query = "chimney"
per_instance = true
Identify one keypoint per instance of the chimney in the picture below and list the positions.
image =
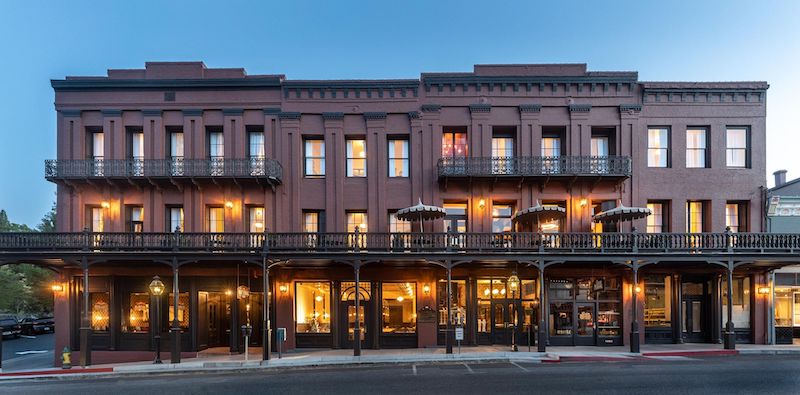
(780, 177)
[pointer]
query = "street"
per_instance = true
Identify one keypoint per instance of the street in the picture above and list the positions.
(28, 352)
(762, 374)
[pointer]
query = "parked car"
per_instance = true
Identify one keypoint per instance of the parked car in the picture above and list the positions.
(26, 325)
(44, 325)
(10, 327)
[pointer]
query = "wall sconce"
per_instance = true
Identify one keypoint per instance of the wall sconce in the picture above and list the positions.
(481, 203)
(283, 288)
(426, 289)
(228, 204)
(584, 202)
(763, 290)
(638, 289)
(228, 292)
(105, 204)
(57, 288)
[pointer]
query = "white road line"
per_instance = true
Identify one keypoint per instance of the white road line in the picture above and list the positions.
(414, 369)
(517, 365)
(468, 368)
(30, 352)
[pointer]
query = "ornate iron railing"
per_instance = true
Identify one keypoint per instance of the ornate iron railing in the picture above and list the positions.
(407, 242)
(163, 168)
(525, 166)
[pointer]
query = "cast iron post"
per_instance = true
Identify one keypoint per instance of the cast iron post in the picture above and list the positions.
(449, 328)
(730, 333)
(175, 330)
(356, 325)
(635, 320)
(266, 332)
(541, 344)
(86, 329)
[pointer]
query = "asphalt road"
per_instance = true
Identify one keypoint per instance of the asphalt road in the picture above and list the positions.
(25, 353)
(720, 375)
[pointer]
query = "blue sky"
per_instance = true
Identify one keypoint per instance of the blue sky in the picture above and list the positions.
(662, 40)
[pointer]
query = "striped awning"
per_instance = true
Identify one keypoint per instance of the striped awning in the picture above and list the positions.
(540, 213)
(621, 213)
(420, 212)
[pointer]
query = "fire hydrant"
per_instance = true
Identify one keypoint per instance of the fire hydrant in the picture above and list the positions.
(66, 358)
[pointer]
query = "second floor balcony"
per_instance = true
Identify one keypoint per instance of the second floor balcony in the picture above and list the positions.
(535, 167)
(148, 169)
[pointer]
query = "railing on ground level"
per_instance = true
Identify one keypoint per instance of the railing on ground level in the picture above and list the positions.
(163, 168)
(531, 166)
(406, 242)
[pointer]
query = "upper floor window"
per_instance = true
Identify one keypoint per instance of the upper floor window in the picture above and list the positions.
(398, 158)
(658, 147)
(255, 219)
(136, 152)
(315, 158)
(97, 219)
(176, 146)
(356, 158)
(502, 152)
(175, 219)
(694, 217)
(216, 219)
(656, 222)
(397, 225)
(554, 225)
(736, 216)
(455, 219)
(454, 143)
(736, 147)
(311, 221)
(356, 219)
(216, 153)
(256, 145)
(501, 217)
(96, 152)
(551, 146)
(136, 219)
(696, 142)
(599, 146)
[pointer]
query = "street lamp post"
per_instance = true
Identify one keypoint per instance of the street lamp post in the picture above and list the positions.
(513, 283)
(157, 289)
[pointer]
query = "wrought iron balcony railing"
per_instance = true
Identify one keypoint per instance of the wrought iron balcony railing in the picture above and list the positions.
(535, 166)
(163, 168)
(613, 243)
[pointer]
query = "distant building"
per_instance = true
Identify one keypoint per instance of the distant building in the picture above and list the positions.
(783, 216)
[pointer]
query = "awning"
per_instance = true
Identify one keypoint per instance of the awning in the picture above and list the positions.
(540, 213)
(420, 212)
(621, 213)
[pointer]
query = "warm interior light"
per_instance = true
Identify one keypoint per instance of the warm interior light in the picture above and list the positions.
(318, 298)
(228, 292)
(259, 225)
(426, 289)
(486, 291)
(400, 298)
(495, 291)
(363, 226)
(638, 289)
(57, 287)
(283, 288)
(481, 203)
(105, 204)
(229, 204)
(584, 202)
(549, 226)
(763, 290)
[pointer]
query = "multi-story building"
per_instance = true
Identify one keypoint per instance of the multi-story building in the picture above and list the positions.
(783, 216)
(223, 184)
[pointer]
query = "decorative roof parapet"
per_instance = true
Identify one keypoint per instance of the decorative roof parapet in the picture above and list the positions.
(630, 107)
(431, 107)
(580, 107)
(289, 115)
(333, 116)
(413, 115)
(480, 108)
(528, 108)
(371, 116)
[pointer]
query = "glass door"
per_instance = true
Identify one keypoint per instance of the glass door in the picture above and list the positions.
(501, 322)
(585, 324)
(693, 309)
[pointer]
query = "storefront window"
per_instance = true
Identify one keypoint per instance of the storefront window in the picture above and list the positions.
(313, 307)
(741, 302)
(399, 308)
(484, 320)
(183, 309)
(561, 319)
(100, 310)
(658, 301)
(783, 307)
(560, 289)
(137, 317)
(458, 307)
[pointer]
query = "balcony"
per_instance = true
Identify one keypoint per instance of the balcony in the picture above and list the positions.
(177, 168)
(618, 167)
(310, 244)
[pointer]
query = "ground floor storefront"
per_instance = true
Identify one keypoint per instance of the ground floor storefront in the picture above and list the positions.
(390, 305)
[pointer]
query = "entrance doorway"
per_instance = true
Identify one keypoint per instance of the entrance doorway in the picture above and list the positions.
(585, 324)
(348, 318)
(504, 320)
(693, 310)
(214, 313)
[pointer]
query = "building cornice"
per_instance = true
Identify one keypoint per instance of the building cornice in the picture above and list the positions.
(192, 112)
(71, 113)
(152, 112)
(431, 107)
(372, 116)
(232, 112)
(81, 84)
(530, 108)
(272, 111)
(580, 107)
(289, 115)
(480, 108)
(333, 116)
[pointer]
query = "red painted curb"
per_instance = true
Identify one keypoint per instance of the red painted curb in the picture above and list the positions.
(55, 372)
(705, 353)
(595, 359)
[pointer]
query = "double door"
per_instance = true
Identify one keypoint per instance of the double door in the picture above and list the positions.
(348, 320)
(504, 320)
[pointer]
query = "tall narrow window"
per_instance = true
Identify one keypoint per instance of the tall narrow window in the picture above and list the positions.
(398, 158)
(655, 221)
(600, 152)
(502, 154)
(694, 217)
(736, 216)
(313, 307)
(658, 147)
(255, 219)
(216, 219)
(136, 219)
(315, 158)
(599, 146)
(356, 158)
(311, 222)
(175, 219)
(399, 308)
(256, 153)
(551, 151)
(97, 219)
(736, 144)
(97, 149)
(696, 140)
(136, 154)
(216, 153)
(176, 152)
(357, 219)
(501, 217)
(455, 219)
(454, 143)
(397, 225)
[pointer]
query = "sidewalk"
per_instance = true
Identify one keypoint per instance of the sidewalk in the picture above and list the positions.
(214, 362)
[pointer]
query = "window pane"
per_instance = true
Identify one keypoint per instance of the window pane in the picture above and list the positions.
(655, 221)
(732, 216)
(136, 318)
(216, 219)
(175, 219)
(502, 147)
(694, 220)
(398, 226)
(256, 145)
(741, 302)
(398, 158)
(256, 219)
(313, 307)
(599, 146)
(454, 144)
(137, 145)
(176, 145)
(97, 219)
(658, 301)
(356, 220)
(551, 146)
(315, 157)
(737, 138)
(501, 217)
(216, 145)
(356, 158)
(183, 309)
(695, 148)
(657, 147)
(99, 302)
(311, 222)
(98, 146)
(458, 307)
(399, 308)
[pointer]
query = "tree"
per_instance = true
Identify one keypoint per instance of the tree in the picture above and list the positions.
(8, 226)
(48, 223)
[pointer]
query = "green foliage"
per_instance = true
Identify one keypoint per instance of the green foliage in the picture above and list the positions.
(25, 289)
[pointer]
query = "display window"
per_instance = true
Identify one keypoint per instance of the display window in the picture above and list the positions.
(313, 307)
(399, 309)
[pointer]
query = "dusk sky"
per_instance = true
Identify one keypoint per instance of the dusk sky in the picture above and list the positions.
(662, 40)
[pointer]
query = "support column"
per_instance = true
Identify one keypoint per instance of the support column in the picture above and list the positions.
(175, 330)
(86, 329)
(635, 321)
(541, 343)
(730, 333)
(234, 337)
(716, 311)
(356, 325)
(449, 329)
(266, 330)
(678, 309)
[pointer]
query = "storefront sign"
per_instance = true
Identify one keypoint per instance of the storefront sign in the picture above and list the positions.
(281, 335)
(459, 333)
(426, 314)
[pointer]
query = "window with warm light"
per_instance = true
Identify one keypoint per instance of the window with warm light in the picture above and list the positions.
(136, 318)
(398, 158)
(175, 218)
(357, 219)
(97, 219)
(553, 225)
(399, 308)
(458, 307)
(655, 221)
(658, 301)
(736, 216)
(455, 219)
(736, 152)
(657, 147)
(501, 217)
(100, 311)
(311, 221)
(397, 225)
(135, 219)
(183, 309)
(216, 219)
(256, 220)
(313, 307)
(315, 158)
(694, 217)
(696, 141)
(216, 153)
(551, 146)
(502, 147)
(356, 158)
(741, 302)
(454, 144)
